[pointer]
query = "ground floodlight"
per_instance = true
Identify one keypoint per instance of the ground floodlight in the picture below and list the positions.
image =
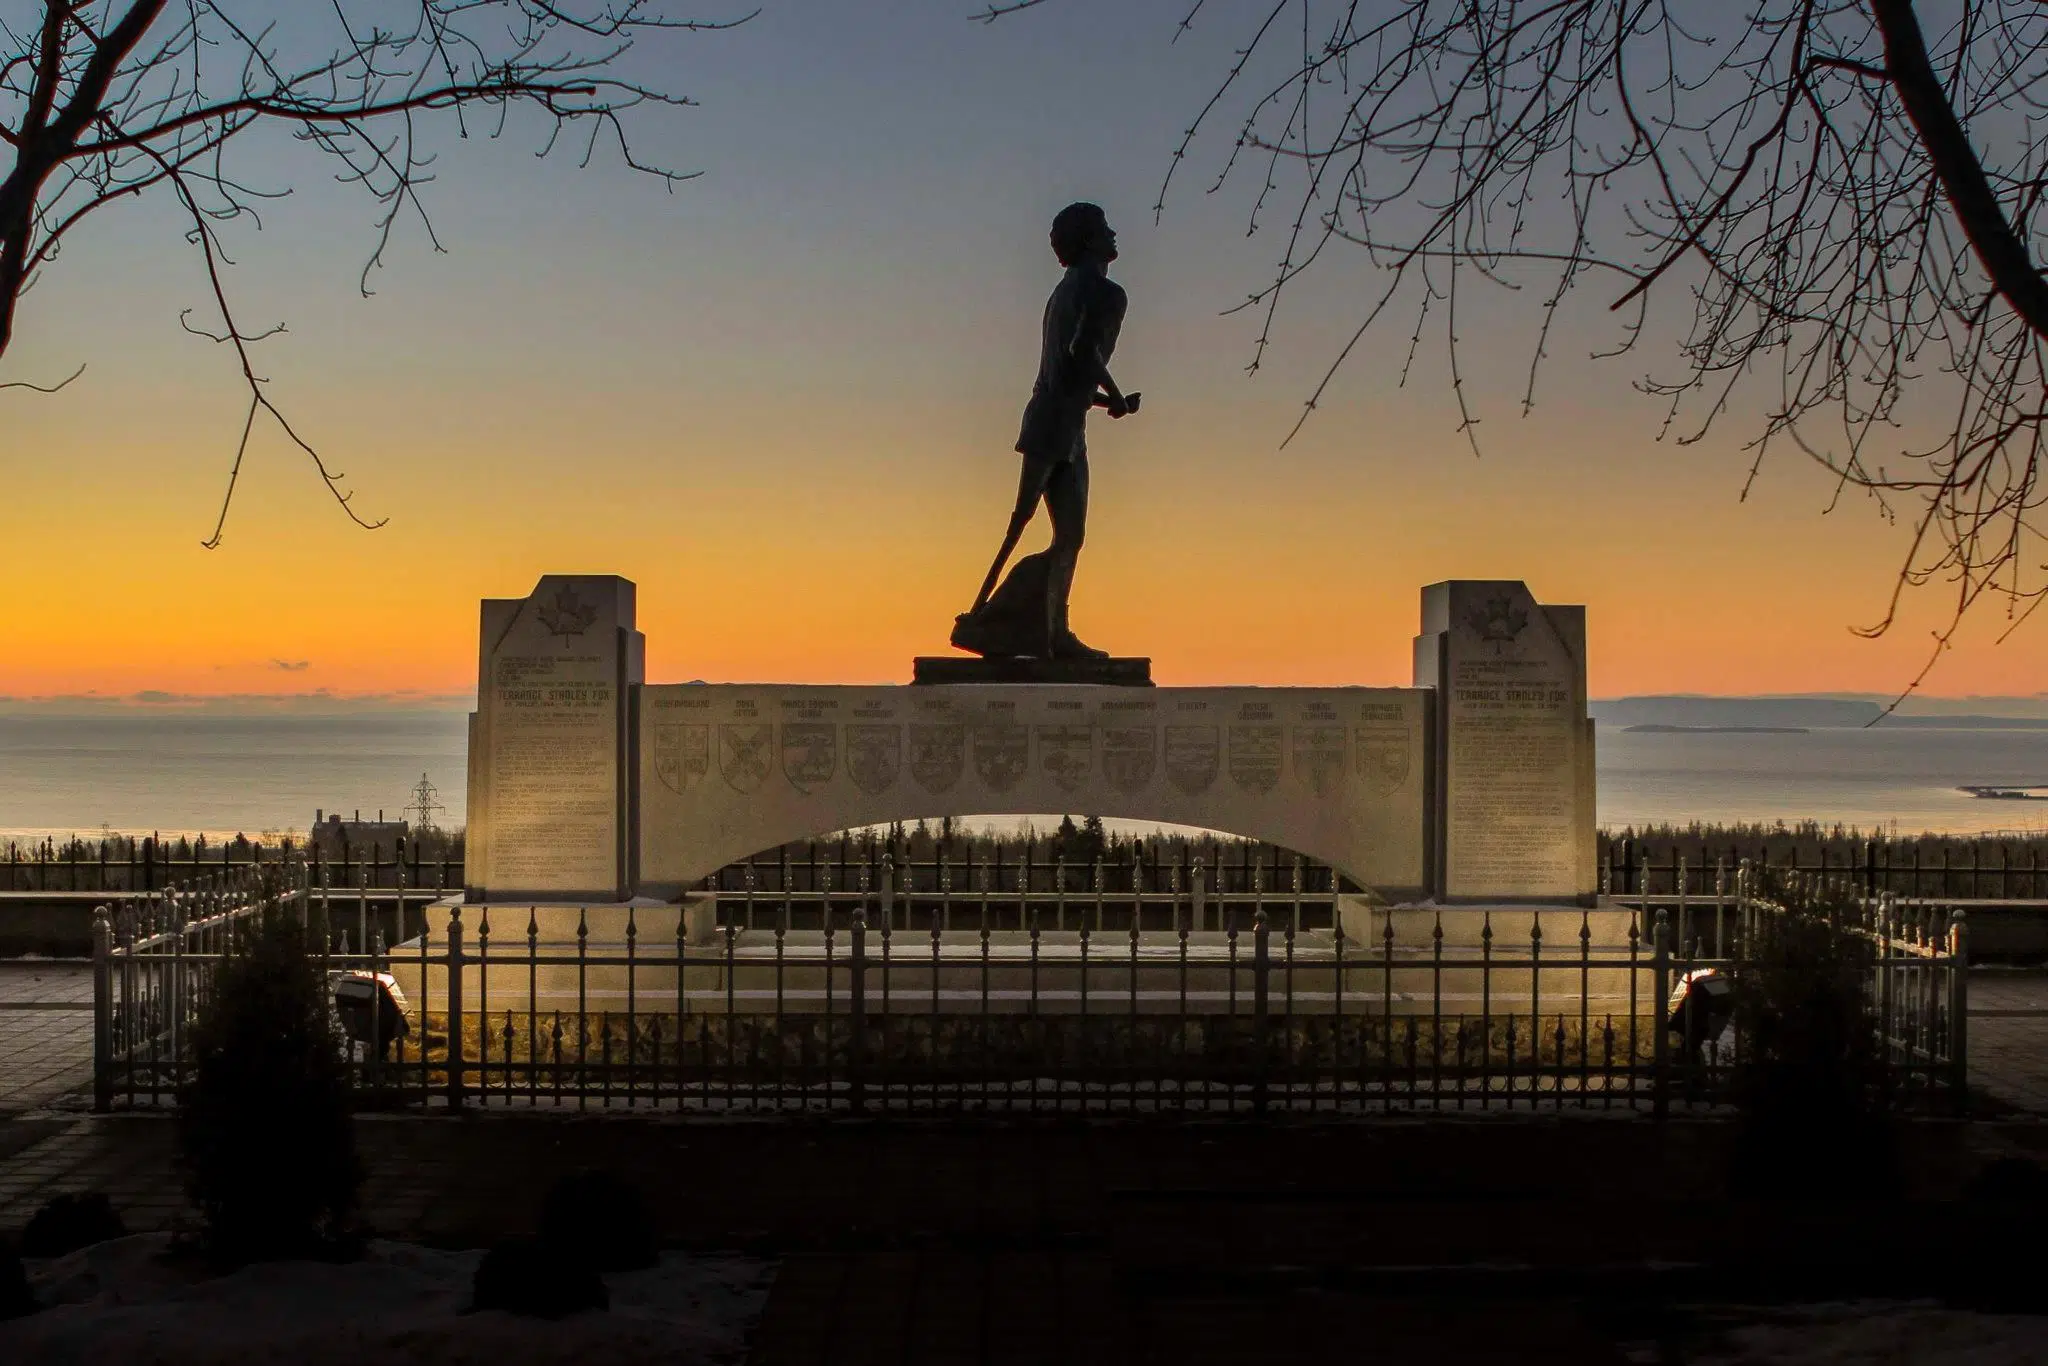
(372, 1009)
(1702, 1003)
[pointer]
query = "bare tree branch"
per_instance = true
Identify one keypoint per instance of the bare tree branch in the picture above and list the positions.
(102, 103)
(1838, 204)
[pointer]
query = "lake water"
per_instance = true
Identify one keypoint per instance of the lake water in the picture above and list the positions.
(253, 774)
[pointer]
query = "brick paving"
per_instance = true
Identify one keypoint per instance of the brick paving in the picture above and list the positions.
(2009, 1038)
(45, 1033)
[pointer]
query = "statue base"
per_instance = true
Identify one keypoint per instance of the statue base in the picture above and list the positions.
(1117, 672)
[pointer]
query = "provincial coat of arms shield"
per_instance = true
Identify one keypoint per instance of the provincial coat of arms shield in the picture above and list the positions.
(810, 753)
(682, 755)
(743, 753)
(1129, 754)
(1192, 757)
(1066, 753)
(874, 755)
(937, 755)
(1382, 757)
(1255, 758)
(1001, 754)
(1319, 757)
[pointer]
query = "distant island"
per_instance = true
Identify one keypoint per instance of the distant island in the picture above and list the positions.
(1654, 729)
(1815, 713)
(2007, 792)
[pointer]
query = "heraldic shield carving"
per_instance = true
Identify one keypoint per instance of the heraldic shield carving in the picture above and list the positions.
(1192, 757)
(1001, 754)
(810, 753)
(682, 755)
(938, 755)
(1382, 758)
(1066, 753)
(874, 755)
(1129, 754)
(1319, 757)
(1255, 758)
(743, 754)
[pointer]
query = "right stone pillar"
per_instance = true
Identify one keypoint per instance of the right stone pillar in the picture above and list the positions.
(1513, 806)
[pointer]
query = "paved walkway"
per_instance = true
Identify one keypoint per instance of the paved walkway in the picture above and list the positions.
(45, 1033)
(2009, 1038)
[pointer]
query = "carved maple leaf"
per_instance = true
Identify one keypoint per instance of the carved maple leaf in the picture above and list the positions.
(567, 615)
(1501, 619)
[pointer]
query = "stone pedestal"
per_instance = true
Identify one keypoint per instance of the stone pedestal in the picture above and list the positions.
(550, 755)
(1514, 747)
(1117, 671)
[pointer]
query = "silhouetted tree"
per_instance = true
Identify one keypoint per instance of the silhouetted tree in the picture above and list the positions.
(103, 102)
(1845, 196)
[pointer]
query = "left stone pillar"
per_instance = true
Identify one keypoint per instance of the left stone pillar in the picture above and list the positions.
(551, 747)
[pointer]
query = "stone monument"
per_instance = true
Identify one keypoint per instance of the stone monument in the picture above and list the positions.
(590, 787)
(551, 787)
(1514, 811)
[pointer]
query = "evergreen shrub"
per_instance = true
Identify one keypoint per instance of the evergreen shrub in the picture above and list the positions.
(265, 1135)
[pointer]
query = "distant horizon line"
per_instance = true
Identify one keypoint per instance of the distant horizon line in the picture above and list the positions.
(324, 701)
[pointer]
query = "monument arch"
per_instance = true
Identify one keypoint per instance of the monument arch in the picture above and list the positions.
(589, 784)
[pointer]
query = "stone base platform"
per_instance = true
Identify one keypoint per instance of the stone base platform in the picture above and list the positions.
(1125, 671)
(1058, 972)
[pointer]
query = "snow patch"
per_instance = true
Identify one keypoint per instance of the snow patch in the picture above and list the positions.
(124, 1300)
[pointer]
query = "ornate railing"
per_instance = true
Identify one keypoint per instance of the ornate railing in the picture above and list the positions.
(1088, 999)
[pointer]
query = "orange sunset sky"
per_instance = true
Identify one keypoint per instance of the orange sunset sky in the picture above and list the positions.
(782, 400)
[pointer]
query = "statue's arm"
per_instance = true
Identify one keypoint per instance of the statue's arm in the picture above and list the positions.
(1095, 340)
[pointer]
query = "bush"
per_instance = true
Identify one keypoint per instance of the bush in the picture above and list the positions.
(2010, 1184)
(69, 1222)
(600, 1221)
(527, 1275)
(16, 1299)
(1808, 1079)
(265, 1135)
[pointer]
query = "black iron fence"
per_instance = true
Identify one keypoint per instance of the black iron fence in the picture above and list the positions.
(152, 863)
(1959, 868)
(881, 995)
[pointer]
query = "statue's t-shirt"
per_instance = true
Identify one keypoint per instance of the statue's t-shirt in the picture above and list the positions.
(1082, 319)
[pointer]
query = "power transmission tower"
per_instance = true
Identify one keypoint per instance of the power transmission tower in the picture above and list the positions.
(423, 795)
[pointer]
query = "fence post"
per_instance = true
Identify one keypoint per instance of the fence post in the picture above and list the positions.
(455, 1007)
(1959, 1007)
(1660, 960)
(856, 1048)
(102, 1012)
(1261, 966)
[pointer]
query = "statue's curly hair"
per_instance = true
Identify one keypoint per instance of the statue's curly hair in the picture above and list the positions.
(1072, 227)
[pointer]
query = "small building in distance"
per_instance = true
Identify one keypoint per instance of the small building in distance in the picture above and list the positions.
(332, 835)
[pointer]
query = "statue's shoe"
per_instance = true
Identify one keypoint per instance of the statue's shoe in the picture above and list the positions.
(1067, 645)
(983, 634)
(971, 634)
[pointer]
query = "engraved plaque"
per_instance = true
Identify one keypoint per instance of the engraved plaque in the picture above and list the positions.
(743, 754)
(682, 755)
(1067, 753)
(938, 754)
(1255, 758)
(1319, 757)
(874, 753)
(1001, 754)
(1129, 755)
(1193, 757)
(810, 753)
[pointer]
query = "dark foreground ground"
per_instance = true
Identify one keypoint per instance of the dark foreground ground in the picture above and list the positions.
(1495, 1239)
(1485, 1239)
